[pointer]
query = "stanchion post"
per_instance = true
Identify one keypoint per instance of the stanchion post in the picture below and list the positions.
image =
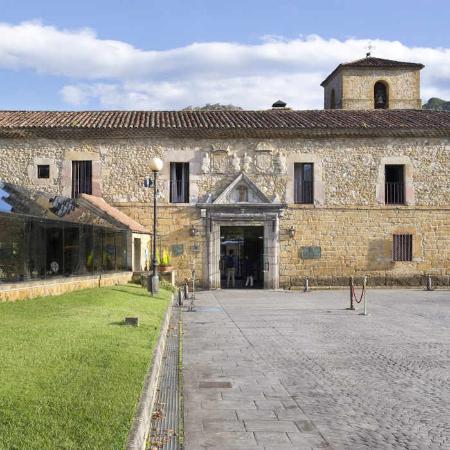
(351, 293)
(429, 283)
(365, 297)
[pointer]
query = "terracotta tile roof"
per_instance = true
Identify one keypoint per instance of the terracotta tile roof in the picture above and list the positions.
(372, 62)
(180, 123)
(114, 213)
(225, 119)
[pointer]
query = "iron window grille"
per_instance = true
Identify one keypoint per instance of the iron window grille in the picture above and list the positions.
(43, 171)
(402, 247)
(81, 178)
(394, 188)
(179, 182)
(304, 183)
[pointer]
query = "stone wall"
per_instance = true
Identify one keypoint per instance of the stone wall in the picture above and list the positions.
(353, 241)
(30, 289)
(348, 176)
(403, 88)
(336, 84)
(348, 219)
(358, 242)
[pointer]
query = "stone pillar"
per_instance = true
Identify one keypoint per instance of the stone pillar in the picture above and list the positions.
(213, 242)
(271, 252)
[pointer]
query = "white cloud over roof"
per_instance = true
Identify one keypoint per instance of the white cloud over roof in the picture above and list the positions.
(113, 74)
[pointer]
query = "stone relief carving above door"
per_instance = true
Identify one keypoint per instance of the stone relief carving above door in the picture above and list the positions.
(263, 157)
(219, 160)
(241, 190)
(264, 161)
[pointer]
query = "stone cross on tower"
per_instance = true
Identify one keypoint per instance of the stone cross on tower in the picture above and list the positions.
(369, 48)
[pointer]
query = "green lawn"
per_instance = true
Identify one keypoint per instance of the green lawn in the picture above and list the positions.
(70, 372)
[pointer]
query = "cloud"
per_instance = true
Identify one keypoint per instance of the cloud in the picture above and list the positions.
(113, 74)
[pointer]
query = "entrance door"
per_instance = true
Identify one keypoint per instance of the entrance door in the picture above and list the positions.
(137, 255)
(245, 245)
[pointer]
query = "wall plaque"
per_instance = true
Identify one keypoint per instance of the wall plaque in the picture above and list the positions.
(177, 249)
(310, 252)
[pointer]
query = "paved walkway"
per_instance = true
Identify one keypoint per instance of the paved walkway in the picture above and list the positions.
(289, 370)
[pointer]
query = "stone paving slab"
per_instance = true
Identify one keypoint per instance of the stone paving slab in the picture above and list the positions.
(302, 372)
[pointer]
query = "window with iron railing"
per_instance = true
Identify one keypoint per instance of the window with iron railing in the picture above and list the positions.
(81, 178)
(179, 182)
(304, 183)
(402, 247)
(394, 188)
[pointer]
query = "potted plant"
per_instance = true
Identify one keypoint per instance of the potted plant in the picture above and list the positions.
(164, 265)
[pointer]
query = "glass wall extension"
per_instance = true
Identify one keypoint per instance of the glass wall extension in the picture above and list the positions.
(32, 248)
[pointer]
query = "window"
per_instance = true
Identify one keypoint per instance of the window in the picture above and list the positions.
(402, 247)
(333, 99)
(394, 190)
(303, 179)
(81, 178)
(43, 171)
(179, 182)
(380, 94)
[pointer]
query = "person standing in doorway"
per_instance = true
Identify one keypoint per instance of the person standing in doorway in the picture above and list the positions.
(249, 269)
(230, 268)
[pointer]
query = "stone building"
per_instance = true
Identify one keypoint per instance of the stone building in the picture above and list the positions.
(360, 188)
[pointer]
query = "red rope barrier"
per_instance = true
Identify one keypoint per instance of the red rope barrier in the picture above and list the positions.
(354, 294)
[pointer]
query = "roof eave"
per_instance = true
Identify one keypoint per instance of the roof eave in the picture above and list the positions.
(416, 66)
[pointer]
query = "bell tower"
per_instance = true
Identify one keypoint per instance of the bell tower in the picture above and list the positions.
(373, 83)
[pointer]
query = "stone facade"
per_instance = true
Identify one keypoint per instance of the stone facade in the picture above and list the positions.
(348, 220)
(354, 88)
(57, 286)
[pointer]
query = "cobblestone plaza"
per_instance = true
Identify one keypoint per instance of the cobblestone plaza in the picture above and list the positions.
(293, 370)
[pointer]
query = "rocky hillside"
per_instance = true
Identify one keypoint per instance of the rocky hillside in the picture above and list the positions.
(213, 107)
(437, 104)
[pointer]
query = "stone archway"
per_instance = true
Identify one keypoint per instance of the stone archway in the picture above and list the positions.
(229, 210)
(270, 222)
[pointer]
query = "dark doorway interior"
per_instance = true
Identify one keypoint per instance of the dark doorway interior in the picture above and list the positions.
(247, 246)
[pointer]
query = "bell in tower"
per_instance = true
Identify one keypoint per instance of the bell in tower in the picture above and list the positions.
(374, 83)
(380, 95)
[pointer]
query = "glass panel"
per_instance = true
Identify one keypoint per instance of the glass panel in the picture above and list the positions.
(98, 249)
(86, 249)
(109, 251)
(54, 246)
(35, 245)
(71, 249)
(121, 250)
(11, 249)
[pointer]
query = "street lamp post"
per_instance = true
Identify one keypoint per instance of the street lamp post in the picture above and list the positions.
(156, 165)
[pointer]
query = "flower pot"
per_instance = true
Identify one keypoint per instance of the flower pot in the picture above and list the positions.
(165, 269)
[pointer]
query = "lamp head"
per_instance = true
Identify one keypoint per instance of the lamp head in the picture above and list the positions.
(156, 164)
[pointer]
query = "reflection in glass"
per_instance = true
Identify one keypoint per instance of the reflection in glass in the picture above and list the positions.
(33, 248)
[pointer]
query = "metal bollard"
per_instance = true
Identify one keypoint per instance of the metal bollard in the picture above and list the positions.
(429, 283)
(352, 307)
(365, 298)
(306, 285)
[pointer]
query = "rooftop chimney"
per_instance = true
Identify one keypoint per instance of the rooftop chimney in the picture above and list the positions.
(279, 104)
